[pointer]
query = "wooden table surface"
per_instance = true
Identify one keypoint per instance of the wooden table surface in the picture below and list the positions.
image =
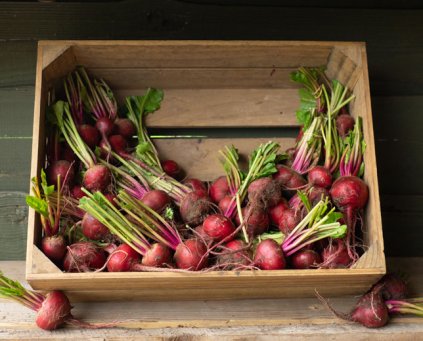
(278, 319)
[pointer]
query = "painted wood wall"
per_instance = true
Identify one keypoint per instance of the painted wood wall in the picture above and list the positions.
(393, 31)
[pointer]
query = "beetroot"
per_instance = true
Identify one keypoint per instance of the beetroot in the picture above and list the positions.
(67, 153)
(157, 200)
(269, 256)
(320, 176)
(157, 256)
(305, 259)
(97, 178)
(125, 127)
(392, 287)
(54, 311)
(118, 144)
(190, 255)
(288, 220)
(219, 189)
(234, 253)
(171, 168)
(336, 255)
(77, 193)
(276, 212)
(104, 125)
(289, 179)
(93, 229)
(194, 208)
(62, 169)
(197, 186)
(54, 247)
(255, 218)
(122, 259)
(218, 227)
(316, 193)
(89, 135)
(370, 310)
(344, 124)
(265, 192)
(225, 203)
(83, 257)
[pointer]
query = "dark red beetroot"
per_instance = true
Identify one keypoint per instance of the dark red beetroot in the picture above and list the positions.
(288, 220)
(171, 168)
(218, 227)
(335, 255)
(289, 179)
(256, 220)
(93, 229)
(125, 127)
(392, 287)
(276, 212)
(77, 192)
(189, 255)
(54, 247)
(315, 194)
(320, 176)
(111, 197)
(61, 168)
(305, 259)
(269, 256)
(118, 144)
(219, 189)
(197, 186)
(370, 310)
(157, 200)
(225, 203)
(55, 310)
(122, 259)
(265, 191)
(66, 153)
(344, 124)
(104, 125)
(83, 257)
(200, 234)
(97, 178)
(89, 135)
(194, 208)
(231, 256)
(157, 256)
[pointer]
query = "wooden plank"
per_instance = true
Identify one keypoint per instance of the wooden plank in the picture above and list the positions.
(13, 225)
(247, 319)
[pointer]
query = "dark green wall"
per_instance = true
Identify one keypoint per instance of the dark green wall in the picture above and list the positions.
(393, 31)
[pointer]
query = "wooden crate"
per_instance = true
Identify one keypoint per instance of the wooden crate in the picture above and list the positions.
(210, 84)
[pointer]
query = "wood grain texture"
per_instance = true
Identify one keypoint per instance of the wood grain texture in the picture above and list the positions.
(276, 319)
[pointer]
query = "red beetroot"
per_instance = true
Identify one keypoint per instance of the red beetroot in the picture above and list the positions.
(276, 212)
(54, 247)
(335, 255)
(157, 256)
(171, 168)
(392, 287)
(370, 310)
(256, 220)
(269, 256)
(219, 189)
(288, 220)
(122, 259)
(77, 192)
(316, 193)
(118, 144)
(344, 124)
(197, 186)
(305, 259)
(218, 227)
(289, 179)
(320, 176)
(97, 178)
(61, 168)
(125, 127)
(234, 253)
(104, 125)
(200, 234)
(83, 257)
(189, 255)
(157, 200)
(225, 203)
(89, 135)
(265, 191)
(93, 229)
(194, 208)
(54, 311)
(67, 153)
(111, 197)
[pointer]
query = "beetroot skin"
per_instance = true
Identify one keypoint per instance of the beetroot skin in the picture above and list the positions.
(218, 227)
(288, 220)
(190, 255)
(157, 200)
(122, 259)
(54, 311)
(276, 212)
(265, 191)
(320, 176)
(194, 208)
(54, 247)
(219, 189)
(234, 254)
(171, 168)
(256, 219)
(97, 178)
(344, 124)
(83, 257)
(157, 256)
(93, 229)
(125, 127)
(305, 259)
(197, 186)
(89, 135)
(269, 256)
(63, 169)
